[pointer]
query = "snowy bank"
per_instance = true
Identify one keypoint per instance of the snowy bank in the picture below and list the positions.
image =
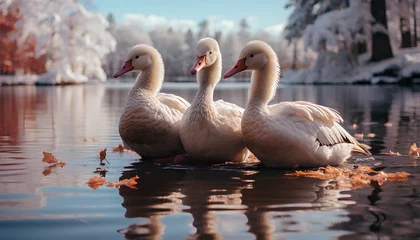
(404, 68)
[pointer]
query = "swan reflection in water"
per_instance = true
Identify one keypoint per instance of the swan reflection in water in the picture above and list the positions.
(223, 202)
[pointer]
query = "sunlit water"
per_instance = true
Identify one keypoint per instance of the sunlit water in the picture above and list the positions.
(179, 202)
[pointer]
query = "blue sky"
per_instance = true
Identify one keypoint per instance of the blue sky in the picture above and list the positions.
(222, 14)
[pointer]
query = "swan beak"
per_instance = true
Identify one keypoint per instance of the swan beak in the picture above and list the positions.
(239, 67)
(199, 64)
(125, 68)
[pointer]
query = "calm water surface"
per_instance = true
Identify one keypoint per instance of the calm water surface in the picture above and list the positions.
(185, 202)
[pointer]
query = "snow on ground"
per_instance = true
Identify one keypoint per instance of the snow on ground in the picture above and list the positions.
(405, 65)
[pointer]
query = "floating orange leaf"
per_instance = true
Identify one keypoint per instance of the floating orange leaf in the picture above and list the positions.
(359, 135)
(371, 135)
(120, 148)
(94, 140)
(126, 182)
(391, 153)
(49, 158)
(414, 151)
(96, 182)
(102, 155)
(85, 139)
(388, 124)
(361, 176)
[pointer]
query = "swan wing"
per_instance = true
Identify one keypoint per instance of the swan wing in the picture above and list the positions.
(173, 101)
(322, 123)
(229, 109)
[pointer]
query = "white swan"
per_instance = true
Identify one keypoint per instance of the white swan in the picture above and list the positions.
(211, 131)
(288, 133)
(149, 124)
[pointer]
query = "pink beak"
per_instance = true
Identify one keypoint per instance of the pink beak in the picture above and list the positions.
(125, 68)
(199, 64)
(239, 67)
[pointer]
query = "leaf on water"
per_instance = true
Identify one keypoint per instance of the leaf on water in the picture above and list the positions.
(101, 172)
(391, 153)
(96, 182)
(94, 140)
(120, 148)
(371, 135)
(414, 151)
(102, 155)
(126, 182)
(388, 124)
(85, 139)
(361, 176)
(49, 158)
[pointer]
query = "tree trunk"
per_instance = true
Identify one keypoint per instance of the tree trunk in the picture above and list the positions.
(405, 25)
(415, 24)
(381, 47)
(294, 63)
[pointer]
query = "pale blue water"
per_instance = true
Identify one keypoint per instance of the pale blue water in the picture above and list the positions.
(180, 202)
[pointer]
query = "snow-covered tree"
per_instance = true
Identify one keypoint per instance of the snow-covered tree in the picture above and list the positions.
(204, 30)
(74, 40)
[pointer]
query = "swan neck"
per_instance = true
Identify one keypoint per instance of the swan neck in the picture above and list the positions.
(264, 83)
(207, 79)
(151, 78)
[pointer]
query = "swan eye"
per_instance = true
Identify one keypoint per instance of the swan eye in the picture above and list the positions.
(252, 55)
(210, 52)
(137, 56)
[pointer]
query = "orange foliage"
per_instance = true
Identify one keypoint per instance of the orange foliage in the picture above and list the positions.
(414, 151)
(120, 148)
(96, 182)
(359, 177)
(12, 56)
(126, 182)
(102, 155)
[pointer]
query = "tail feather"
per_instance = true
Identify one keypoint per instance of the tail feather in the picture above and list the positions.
(361, 148)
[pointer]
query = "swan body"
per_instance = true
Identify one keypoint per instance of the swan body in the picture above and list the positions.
(211, 130)
(288, 133)
(149, 124)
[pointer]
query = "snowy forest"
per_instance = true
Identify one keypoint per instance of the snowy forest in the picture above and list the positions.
(324, 41)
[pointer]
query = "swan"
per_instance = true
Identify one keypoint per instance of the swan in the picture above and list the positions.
(288, 134)
(211, 130)
(149, 124)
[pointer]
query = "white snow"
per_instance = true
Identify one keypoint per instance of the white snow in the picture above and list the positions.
(74, 40)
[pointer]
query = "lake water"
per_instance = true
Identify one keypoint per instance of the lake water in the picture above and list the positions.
(180, 202)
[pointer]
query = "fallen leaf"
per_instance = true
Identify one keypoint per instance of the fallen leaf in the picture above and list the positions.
(354, 126)
(359, 135)
(102, 155)
(85, 139)
(391, 153)
(371, 135)
(120, 148)
(49, 158)
(126, 182)
(96, 182)
(414, 151)
(358, 177)
(388, 124)
(94, 140)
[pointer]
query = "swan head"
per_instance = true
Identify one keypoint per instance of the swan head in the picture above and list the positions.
(207, 54)
(138, 59)
(254, 56)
